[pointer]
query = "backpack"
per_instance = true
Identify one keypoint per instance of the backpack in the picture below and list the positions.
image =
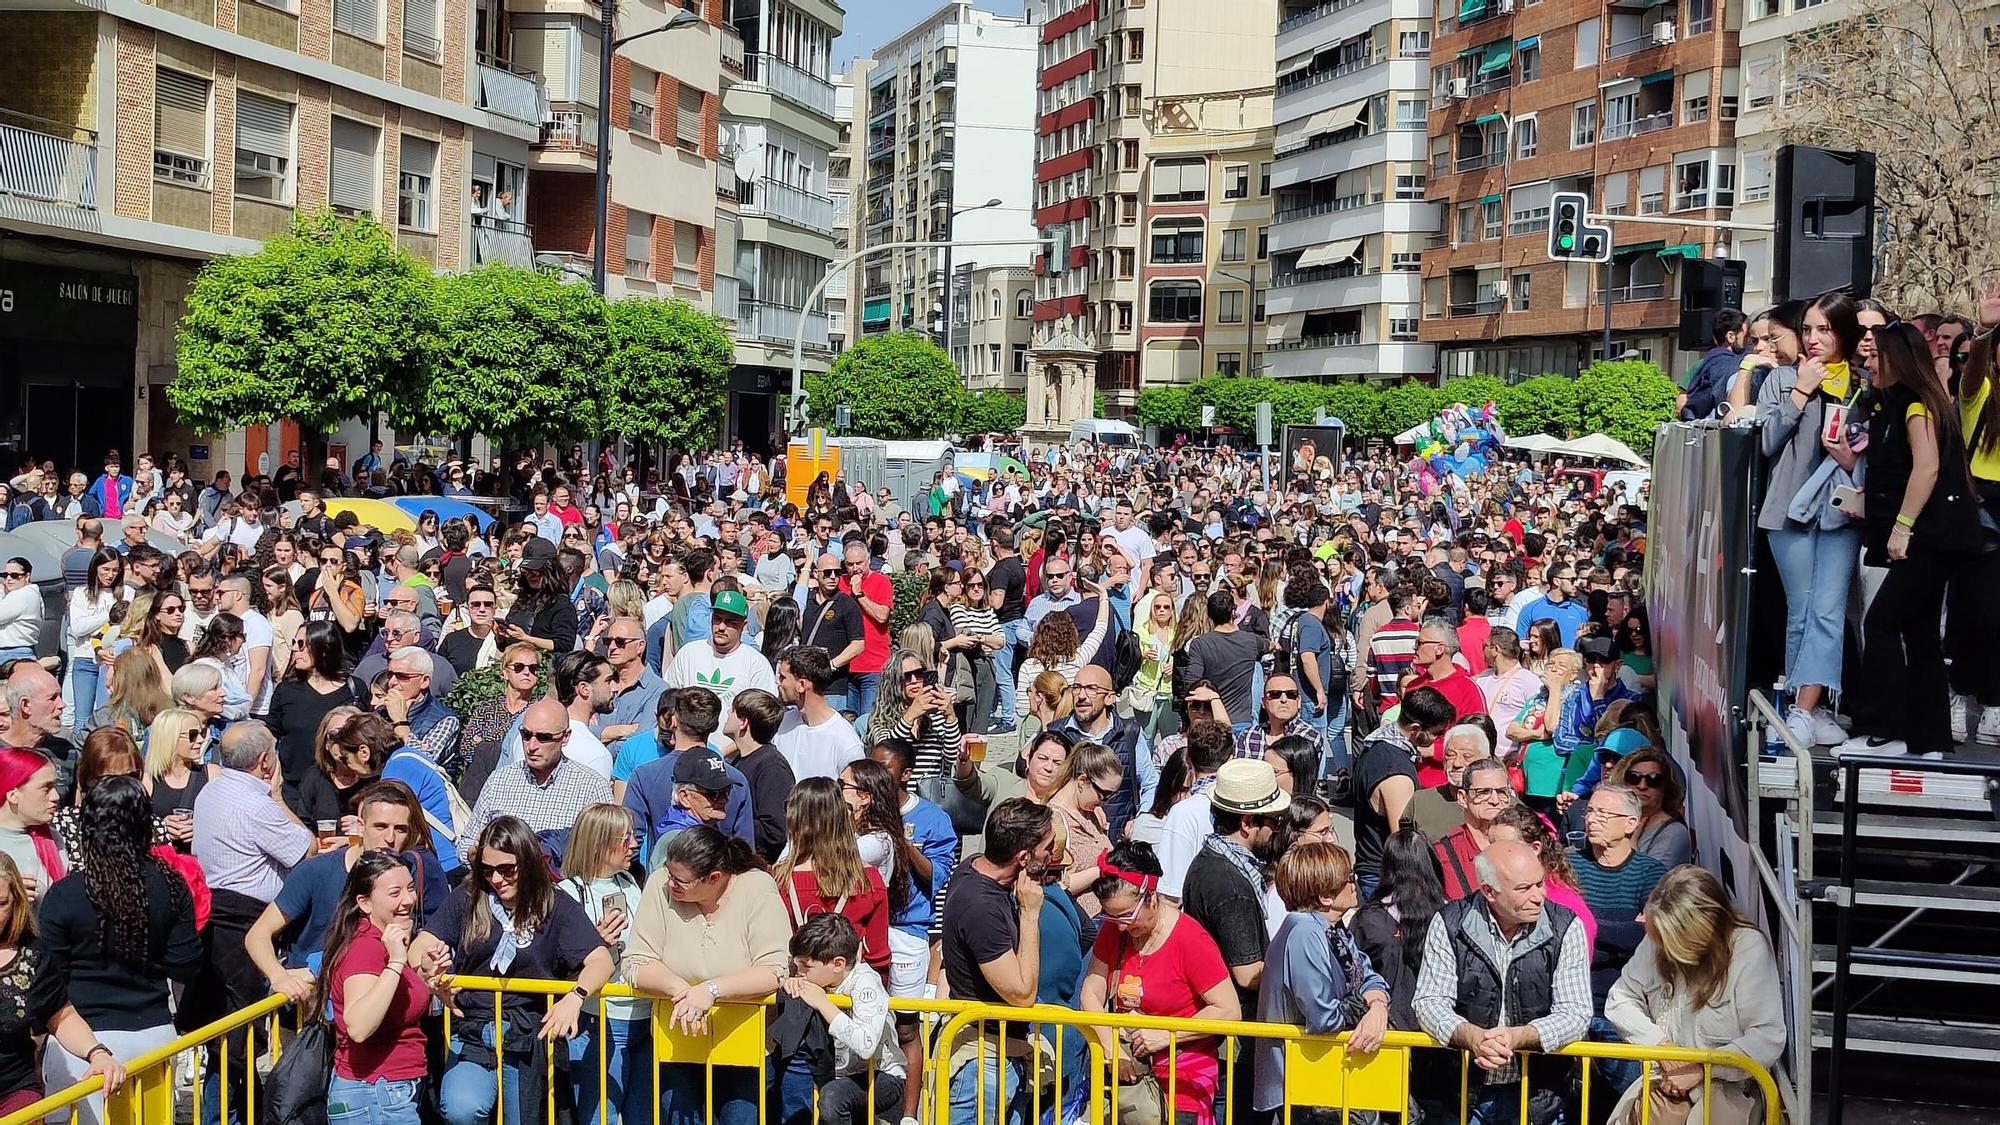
(461, 813)
(1126, 658)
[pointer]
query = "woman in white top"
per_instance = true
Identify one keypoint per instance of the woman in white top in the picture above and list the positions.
(597, 873)
(20, 610)
(1056, 647)
(89, 612)
(1704, 977)
(171, 517)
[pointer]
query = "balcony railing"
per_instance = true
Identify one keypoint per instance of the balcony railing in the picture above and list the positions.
(877, 289)
(1327, 206)
(946, 75)
(502, 240)
(1633, 46)
(1317, 12)
(1323, 340)
(1651, 123)
(1620, 293)
(1286, 86)
(761, 320)
(1314, 274)
(570, 127)
(511, 92)
(882, 146)
(1487, 307)
(880, 182)
(881, 217)
(794, 205)
(789, 82)
(47, 161)
(941, 158)
(1480, 160)
(1491, 84)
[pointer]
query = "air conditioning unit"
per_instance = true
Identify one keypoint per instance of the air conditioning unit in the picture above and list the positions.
(1663, 32)
(1506, 6)
(1500, 289)
(1459, 86)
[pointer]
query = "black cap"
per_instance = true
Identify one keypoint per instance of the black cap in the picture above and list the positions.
(702, 768)
(1597, 650)
(538, 552)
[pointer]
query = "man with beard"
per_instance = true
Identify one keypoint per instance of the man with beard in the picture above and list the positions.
(587, 688)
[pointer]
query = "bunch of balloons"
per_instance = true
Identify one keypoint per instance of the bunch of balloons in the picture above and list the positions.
(1456, 443)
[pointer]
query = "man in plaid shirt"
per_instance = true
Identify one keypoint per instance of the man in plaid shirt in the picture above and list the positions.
(545, 788)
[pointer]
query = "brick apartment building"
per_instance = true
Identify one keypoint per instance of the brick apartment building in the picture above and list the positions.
(1632, 102)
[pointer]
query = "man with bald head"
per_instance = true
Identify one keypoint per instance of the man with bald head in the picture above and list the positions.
(832, 620)
(1507, 971)
(546, 788)
(1095, 719)
(31, 718)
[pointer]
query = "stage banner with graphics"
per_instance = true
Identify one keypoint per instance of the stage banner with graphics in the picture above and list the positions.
(1701, 542)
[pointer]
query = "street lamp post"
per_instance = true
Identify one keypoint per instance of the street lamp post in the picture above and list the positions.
(607, 47)
(950, 220)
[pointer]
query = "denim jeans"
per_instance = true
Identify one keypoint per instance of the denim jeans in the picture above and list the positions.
(977, 1086)
(1486, 1105)
(1015, 636)
(1612, 1074)
(684, 1095)
(381, 1102)
(7, 654)
(843, 1101)
(861, 689)
(467, 1090)
(83, 675)
(1816, 567)
(628, 1053)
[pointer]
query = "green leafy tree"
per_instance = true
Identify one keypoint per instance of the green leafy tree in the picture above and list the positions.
(1403, 406)
(1475, 391)
(1356, 404)
(1168, 408)
(992, 411)
(1546, 404)
(518, 354)
(325, 323)
(899, 386)
(1626, 399)
(667, 375)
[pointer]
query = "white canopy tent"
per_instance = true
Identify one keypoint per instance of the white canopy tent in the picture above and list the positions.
(1596, 446)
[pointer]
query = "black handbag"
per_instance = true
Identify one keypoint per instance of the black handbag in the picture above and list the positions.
(295, 1090)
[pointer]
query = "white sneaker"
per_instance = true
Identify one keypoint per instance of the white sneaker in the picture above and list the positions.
(1933, 755)
(1827, 730)
(1961, 709)
(1799, 722)
(1986, 732)
(1866, 745)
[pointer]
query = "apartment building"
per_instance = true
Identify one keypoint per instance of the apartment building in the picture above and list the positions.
(993, 320)
(1352, 214)
(1153, 156)
(137, 140)
(946, 126)
(1768, 25)
(840, 319)
(1633, 102)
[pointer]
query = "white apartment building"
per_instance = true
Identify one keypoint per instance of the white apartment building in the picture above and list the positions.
(993, 320)
(944, 125)
(1767, 26)
(840, 188)
(1351, 221)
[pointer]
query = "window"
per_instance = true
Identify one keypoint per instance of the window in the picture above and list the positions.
(1413, 44)
(1174, 302)
(1703, 180)
(1732, 92)
(1236, 181)
(1131, 155)
(1410, 187)
(639, 103)
(1531, 62)
(1263, 243)
(420, 30)
(1234, 243)
(1128, 209)
(687, 118)
(1760, 82)
(1135, 45)
(263, 148)
(1617, 193)
(1489, 218)
(1257, 305)
(1180, 181)
(1588, 35)
(358, 17)
(180, 128)
(1467, 223)
(995, 301)
(1756, 256)
(1694, 97)
(1176, 242)
(1701, 16)
(1229, 306)
(1621, 113)
(1127, 262)
(1756, 177)
(1125, 315)
(1406, 261)
(1517, 292)
(1229, 363)
(1412, 113)
(1024, 303)
(1528, 208)
(1132, 101)
(416, 184)
(638, 244)
(1264, 178)
(1525, 134)
(1653, 189)
(1020, 359)
(351, 167)
(993, 358)
(1402, 328)
(1583, 126)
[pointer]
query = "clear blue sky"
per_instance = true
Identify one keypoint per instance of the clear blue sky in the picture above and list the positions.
(871, 23)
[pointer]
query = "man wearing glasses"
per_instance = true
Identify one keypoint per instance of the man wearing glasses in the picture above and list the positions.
(401, 630)
(634, 689)
(1484, 792)
(1096, 720)
(202, 606)
(546, 788)
(1616, 879)
(832, 621)
(1559, 604)
(1385, 777)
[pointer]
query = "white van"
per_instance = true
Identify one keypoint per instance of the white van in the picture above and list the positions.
(1104, 431)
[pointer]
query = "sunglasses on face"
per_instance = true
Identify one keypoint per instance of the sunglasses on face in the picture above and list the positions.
(1281, 693)
(507, 871)
(1643, 780)
(543, 736)
(520, 666)
(14, 574)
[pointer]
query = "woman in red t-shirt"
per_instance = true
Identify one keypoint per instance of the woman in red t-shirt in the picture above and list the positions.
(378, 999)
(822, 873)
(1150, 959)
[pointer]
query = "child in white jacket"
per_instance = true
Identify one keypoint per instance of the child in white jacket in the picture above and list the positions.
(826, 957)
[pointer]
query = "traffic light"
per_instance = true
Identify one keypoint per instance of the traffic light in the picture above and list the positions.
(1571, 237)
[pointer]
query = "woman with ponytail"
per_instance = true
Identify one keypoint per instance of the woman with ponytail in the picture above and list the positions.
(27, 805)
(115, 935)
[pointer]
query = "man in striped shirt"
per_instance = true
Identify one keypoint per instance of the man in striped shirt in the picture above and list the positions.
(1393, 647)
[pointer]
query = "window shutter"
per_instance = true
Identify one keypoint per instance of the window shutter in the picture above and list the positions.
(643, 82)
(357, 17)
(420, 28)
(587, 69)
(181, 123)
(351, 170)
(545, 50)
(263, 126)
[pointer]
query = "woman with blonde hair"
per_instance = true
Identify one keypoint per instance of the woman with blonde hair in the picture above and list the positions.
(138, 695)
(914, 705)
(596, 872)
(175, 746)
(626, 598)
(1050, 700)
(822, 873)
(1704, 977)
(520, 668)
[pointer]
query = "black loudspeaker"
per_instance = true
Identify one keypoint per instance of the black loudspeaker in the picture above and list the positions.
(1707, 287)
(1825, 233)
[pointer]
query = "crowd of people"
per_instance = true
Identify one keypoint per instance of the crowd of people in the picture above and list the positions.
(1127, 734)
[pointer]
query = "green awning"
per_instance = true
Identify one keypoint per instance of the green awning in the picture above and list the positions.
(1489, 199)
(876, 310)
(1498, 55)
(1471, 10)
(1638, 248)
(1689, 250)
(1657, 77)
(1490, 117)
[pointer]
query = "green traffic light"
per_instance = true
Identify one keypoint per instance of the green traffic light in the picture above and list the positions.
(1566, 242)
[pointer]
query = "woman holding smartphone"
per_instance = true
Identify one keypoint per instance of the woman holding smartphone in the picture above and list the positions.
(597, 873)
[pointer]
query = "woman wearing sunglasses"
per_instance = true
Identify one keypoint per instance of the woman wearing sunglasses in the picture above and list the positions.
(485, 725)
(1663, 830)
(176, 744)
(506, 919)
(1090, 776)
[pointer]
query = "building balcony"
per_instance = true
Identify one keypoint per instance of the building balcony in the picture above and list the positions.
(946, 76)
(876, 289)
(503, 241)
(789, 82)
(510, 92)
(1325, 207)
(1651, 123)
(1491, 84)
(776, 324)
(941, 158)
(1345, 355)
(569, 127)
(881, 146)
(1306, 82)
(1319, 161)
(794, 205)
(1485, 307)
(732, 51)
(1345, 286)
(1626, 47)
(1312, 15)
(881, 217)
(47, 162)
(1621, 294)
(1480, 160)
